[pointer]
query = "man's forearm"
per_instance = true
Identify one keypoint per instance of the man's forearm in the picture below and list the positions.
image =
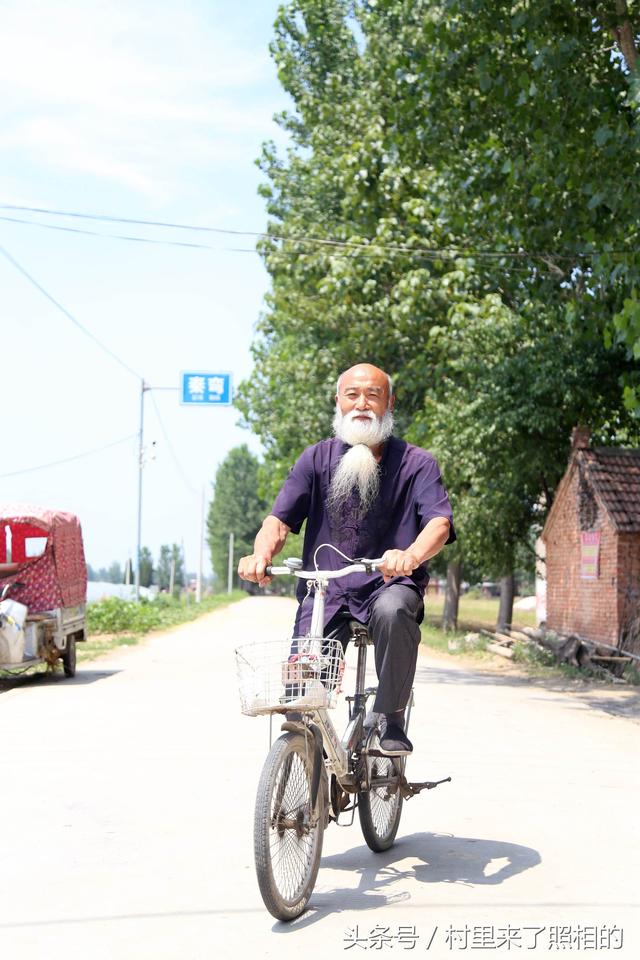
(271, 537)
(431, 539)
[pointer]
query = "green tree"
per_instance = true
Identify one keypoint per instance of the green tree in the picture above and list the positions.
(146, 567)
(171, 559)
(451, 160)
(236, 508)
(115, 573)
(528, 113)
(512, 387)
(163, 570)
(501, 136)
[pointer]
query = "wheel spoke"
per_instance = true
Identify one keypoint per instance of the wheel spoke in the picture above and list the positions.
(291, 838)
(380, 807)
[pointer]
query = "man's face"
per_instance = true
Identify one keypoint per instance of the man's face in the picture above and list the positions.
(364, 391)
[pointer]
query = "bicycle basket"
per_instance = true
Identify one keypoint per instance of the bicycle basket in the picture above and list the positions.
(281, 675)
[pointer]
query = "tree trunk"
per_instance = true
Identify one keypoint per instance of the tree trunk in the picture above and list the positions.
(452, 595)
(505, 613)
(623, 34)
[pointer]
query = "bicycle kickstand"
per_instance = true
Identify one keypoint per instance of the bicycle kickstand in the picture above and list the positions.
(409, 790)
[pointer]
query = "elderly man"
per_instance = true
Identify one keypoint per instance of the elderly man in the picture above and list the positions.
(369, 494)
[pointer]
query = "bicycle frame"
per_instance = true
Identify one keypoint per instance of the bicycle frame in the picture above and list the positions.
(338, 750)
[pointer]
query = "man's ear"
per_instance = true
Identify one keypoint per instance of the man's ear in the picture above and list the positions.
(392, 400)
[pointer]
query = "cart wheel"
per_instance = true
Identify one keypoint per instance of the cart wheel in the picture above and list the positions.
(69, 657)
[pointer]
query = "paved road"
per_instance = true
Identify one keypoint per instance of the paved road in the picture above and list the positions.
(126, 804)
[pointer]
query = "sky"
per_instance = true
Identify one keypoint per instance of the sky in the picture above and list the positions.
(142, 110)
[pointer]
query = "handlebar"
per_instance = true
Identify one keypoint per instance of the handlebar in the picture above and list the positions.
(360, 566)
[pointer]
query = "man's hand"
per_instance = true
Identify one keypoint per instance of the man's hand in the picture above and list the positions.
(430, 540)
(269, 542)
(398, 563)
(253, 567)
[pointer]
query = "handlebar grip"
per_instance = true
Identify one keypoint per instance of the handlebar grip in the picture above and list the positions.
(267, 570)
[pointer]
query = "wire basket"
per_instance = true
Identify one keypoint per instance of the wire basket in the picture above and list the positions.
(281, 675)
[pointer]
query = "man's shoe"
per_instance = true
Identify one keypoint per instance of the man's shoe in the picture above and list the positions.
(394, 741)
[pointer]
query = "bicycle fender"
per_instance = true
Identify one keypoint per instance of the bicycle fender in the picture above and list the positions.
(318, 764)
(294, 726)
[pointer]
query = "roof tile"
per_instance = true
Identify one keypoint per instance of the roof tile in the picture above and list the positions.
(614, 473)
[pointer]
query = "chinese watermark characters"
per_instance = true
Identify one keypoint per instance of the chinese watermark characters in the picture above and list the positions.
(486, 937)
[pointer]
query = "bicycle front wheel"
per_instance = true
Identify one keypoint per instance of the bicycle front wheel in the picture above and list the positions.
(287, 831)
(380, 807)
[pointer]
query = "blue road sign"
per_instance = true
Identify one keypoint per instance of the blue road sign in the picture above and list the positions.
(206, 389)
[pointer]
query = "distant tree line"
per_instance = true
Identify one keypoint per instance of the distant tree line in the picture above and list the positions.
(151, 574)
(238, 506)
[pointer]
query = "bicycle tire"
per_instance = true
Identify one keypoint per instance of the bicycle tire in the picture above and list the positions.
(380, 808)
(287, 833)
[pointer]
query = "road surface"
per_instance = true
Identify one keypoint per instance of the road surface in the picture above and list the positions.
(127, 795)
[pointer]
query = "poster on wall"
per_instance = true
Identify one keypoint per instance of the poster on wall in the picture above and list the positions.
(589, 554)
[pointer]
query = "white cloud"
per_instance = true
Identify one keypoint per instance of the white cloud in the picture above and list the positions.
(135, 93)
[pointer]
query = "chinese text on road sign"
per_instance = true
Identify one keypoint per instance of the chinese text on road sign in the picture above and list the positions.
(206, 389)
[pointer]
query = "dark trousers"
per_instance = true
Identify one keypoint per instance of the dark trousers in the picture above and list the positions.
(393, 626)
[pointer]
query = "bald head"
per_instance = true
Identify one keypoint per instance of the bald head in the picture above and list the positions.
(364, 378)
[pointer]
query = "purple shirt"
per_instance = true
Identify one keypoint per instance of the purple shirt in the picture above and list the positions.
(411, 494)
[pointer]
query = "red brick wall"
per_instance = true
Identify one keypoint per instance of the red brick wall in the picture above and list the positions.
(628, 576)
(588, 607)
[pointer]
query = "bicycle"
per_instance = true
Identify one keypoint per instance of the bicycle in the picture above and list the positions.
(311, 776)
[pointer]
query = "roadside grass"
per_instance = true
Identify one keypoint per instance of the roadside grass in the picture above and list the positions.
(99, 644)
(113, 623)
(475, 612)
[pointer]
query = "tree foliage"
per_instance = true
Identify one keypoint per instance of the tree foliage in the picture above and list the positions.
(236, 508)
(171, 556)
(511, 387)
(146, 567)
(455, 206)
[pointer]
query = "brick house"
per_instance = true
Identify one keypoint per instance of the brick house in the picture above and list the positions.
(592, 542)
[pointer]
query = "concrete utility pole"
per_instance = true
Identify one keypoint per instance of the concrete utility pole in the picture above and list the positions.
(230, 571)
(143, 388)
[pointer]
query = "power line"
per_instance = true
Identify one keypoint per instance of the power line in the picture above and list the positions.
(111, 236)
(120, 236)
(77, 456)
(365, 251)
(177, 463)
(436, 252)
(66, 313)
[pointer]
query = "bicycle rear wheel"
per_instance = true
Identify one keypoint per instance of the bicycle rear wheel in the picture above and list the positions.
(380, 807)
(287, 831)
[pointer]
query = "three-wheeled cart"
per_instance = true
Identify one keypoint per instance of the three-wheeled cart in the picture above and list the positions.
(43, 585)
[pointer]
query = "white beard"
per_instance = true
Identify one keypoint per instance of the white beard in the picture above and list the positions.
(372, 432)
(358, 469)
